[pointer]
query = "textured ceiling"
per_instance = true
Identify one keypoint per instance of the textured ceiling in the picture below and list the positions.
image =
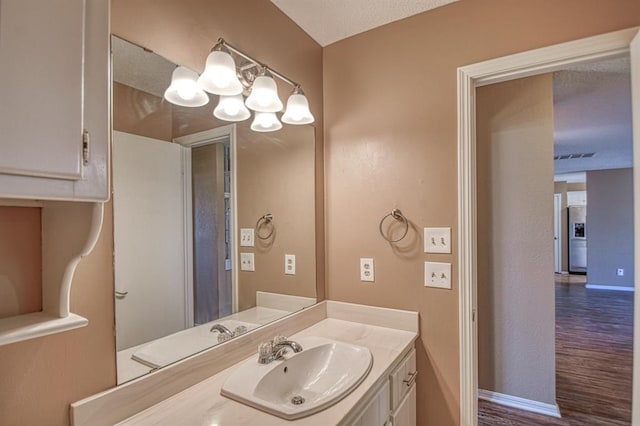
(592, 114)
(328, 21)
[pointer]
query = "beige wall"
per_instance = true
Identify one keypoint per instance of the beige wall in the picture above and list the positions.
(516, 297)
(20, 242)
(390, 126)
(276, 175)
(41, 377)
(610, 227)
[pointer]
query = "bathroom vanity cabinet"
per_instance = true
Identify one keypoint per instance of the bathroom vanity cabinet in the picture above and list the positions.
(189, 392)
(54, 87)
(395, 402)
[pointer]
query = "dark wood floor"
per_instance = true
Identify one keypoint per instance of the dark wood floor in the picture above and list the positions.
(594, 355)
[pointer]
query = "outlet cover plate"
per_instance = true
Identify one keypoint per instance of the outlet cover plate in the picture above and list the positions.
(437, 240)
(247, 262)
(290, 264)
(366, 269)
(437, 274)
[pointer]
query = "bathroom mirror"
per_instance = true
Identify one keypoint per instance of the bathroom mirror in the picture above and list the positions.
(192, 197)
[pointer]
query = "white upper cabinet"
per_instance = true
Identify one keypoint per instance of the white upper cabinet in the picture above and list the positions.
(54, 99)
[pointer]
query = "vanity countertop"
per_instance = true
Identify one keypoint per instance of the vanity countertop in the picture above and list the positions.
(202, 403)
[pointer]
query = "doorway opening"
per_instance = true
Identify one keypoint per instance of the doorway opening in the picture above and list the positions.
(524, 129)
(494, 71)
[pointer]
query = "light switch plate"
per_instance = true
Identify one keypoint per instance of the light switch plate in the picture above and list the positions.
(247, 262)
(437, 240)
(290, 264)
(246, 237)
(437, 274)
(366, 269)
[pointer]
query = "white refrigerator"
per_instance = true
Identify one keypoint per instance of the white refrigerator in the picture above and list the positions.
(577, 239)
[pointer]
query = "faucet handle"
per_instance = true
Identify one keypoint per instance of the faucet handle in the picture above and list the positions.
(265, 349)
(279, 339)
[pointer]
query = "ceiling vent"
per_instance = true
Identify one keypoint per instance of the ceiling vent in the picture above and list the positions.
(574, 156)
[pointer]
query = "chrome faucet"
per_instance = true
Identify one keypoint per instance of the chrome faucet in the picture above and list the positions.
(224, 333)
(221, 329)
(275, 349)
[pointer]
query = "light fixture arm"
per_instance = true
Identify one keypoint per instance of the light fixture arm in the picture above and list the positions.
(222, 43)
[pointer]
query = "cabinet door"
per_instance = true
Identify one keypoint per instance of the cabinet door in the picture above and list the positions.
(377, 412)
(405, 415)
(41, 87)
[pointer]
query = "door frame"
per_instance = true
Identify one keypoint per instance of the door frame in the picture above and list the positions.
(519, 65)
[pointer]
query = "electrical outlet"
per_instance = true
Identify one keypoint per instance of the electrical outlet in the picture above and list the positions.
(437, 240)
(620, 272)
(437, 274)
(366, 269)
(246, 237)
(290, 264)
(247, 262)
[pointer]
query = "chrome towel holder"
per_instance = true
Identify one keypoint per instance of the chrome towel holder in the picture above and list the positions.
(397, 215)
(264, 221)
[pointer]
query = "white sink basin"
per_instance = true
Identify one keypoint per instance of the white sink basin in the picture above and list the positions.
(322, 374)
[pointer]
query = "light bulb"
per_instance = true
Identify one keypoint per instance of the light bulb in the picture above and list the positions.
(219, 76)
(231, 108)
(264, 95)
(265, 122)
(297, 109)
(184, 90)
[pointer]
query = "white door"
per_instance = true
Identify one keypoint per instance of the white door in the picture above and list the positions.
(635, 98)
(149, 239)
(41, 77)
(557, 231)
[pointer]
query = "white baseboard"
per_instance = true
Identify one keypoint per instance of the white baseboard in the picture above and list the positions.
(609, 287)
(520, 403)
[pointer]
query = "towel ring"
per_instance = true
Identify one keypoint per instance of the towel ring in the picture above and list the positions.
(396, 214)
(264, 221)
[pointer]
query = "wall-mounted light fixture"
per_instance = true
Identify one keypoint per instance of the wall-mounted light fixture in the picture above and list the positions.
(223, 77)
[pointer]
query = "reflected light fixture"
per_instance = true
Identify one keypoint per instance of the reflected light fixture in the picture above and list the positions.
(222, 77)
(184, 90)
(231, 108)
(297, 108)
(265, 122)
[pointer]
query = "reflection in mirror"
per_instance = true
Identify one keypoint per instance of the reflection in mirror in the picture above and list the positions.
(193, 264)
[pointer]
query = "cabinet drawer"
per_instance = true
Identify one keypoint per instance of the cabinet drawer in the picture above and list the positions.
(402, 378)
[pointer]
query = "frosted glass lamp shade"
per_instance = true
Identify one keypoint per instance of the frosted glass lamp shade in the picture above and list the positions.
(264, 95)
(219, 76)
(297, 110)
(231, 108)
(266, 122)
(184, 90)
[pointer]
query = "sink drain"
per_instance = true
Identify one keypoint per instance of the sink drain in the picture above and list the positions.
(297, 400)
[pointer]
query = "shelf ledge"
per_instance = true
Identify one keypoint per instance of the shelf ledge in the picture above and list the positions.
(38, 324)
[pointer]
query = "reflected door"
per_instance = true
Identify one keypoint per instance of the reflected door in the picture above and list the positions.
(148, 222)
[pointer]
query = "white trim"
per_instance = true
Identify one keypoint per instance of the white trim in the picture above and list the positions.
(510, 67)
(520, 403)
(188, 237)
(609, 287)
(634, 54)
(557, 230)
